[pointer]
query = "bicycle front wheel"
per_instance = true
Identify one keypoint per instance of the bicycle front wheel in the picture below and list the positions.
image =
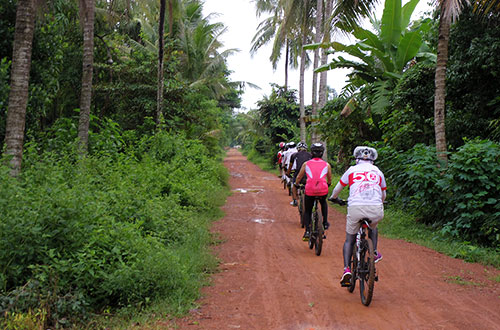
(354, 269)
(366, 271)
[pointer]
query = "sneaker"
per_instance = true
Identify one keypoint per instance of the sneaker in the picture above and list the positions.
(293, 203)
(331, 199)
(306, 236)
(378, 257)
(346, 278)
(326, 225)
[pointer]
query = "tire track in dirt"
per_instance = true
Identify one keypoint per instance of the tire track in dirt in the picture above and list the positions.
(269, 279)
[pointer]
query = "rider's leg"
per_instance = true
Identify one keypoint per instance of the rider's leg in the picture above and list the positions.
(308, 206)
(348, 247)
(373, 235)
(324, 210)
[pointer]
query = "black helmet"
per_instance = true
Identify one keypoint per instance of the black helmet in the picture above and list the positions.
(317, 150)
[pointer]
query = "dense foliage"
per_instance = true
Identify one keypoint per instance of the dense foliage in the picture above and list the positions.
(127, 225)
(111, 230)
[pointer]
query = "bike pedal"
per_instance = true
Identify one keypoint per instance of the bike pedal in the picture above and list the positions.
(345, 285)
(376, 278)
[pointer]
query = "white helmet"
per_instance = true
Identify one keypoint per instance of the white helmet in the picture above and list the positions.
(365, 153)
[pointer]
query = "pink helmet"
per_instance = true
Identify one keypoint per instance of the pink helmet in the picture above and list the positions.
(282, 145)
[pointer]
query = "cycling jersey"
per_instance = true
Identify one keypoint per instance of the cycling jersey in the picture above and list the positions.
(316, 170)
(366, 183)
(286, 156)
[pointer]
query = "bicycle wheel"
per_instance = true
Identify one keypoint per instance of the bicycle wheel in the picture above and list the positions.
(366, 271)
(320, 232)
(354, 269)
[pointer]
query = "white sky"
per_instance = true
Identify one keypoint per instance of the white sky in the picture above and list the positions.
(241, 22)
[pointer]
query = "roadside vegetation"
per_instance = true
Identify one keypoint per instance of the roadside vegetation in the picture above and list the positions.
(105, 209)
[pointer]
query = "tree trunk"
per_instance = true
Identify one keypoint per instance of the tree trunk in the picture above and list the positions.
(88, 67)
(19, 83)
(323, 78)
(440, 93)
(161, 44)
(287, 56)
(301, 91)
(317, 39)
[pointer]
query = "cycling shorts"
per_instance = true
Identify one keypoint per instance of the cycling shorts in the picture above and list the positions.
(357, 212)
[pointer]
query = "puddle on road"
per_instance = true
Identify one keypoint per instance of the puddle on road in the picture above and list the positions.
(263, 221)
(248, 190)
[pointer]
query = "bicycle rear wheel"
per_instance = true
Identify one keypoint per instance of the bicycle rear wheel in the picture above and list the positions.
(320, 232)
(366, 271)
(354, 269)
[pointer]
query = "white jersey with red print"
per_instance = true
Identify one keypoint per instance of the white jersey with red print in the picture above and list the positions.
(366, 183)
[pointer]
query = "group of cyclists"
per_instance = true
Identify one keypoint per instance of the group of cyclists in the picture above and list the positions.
(367, 191)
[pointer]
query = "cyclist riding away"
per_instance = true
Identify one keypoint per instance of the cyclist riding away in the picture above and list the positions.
(367, 192)
(280, 157)
(319, 178)
(286, 159)
(296, 161)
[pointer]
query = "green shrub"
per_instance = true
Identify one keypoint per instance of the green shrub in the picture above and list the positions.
(463, 199)
(109, 230)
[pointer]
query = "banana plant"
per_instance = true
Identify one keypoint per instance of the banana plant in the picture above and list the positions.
(382, 57)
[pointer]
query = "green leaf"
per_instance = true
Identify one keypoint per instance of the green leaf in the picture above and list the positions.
(391, 23)
(408, 11)
(408, 48)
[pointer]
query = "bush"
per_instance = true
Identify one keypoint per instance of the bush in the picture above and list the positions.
(463, 199)
(107, 231)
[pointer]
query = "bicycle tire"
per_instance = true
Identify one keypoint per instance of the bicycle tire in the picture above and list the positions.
(354, 269)
(366, 271)
(319, 235)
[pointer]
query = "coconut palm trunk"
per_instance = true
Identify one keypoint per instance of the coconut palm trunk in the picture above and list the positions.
(87, 15)
(161, 45)
(18, 95)
(317, 39)
(287, 59)
(440, 82)
(301, 91)
(323, 78)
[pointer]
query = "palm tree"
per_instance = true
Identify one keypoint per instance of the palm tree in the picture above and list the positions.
(18, 95)
(87, 8)
(161, 44)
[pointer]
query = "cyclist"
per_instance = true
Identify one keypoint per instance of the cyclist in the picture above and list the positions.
(367, 192)
(286, 159)
(296, 161)
(319, 178)
(280, 157)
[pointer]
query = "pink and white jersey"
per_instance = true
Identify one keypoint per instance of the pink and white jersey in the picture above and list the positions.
(366, 183)
(316, 171)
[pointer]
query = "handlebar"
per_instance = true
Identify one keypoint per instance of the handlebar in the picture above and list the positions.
(339, 201)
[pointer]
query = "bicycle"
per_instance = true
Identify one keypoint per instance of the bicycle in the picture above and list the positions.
(317, 230)
(362, 262)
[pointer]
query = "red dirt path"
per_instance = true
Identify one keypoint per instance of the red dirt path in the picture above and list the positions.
(269, 279)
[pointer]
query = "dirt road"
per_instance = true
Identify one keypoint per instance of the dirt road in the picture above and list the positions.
(269, 279)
